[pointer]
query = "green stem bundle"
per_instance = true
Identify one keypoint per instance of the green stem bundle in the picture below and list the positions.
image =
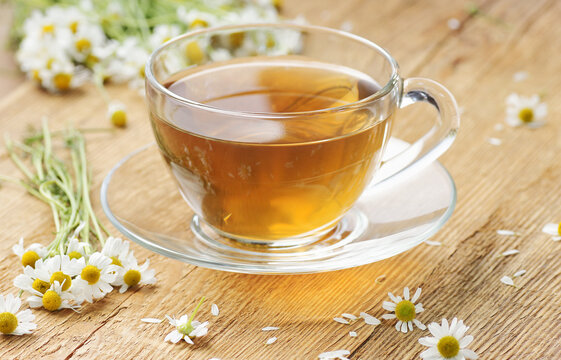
(64, 188)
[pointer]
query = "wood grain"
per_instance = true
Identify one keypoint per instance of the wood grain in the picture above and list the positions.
(512, 186)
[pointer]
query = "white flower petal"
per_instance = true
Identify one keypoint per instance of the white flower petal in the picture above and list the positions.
(390, 306)
(551, 229)
(519, 273)
(341, 320)
(404, 327)
(349, 316)
(419, 324)
(271, 340)
(214, 310)
(510, 252)
(428, 341)
(151, 320)
(334, 354)
(406, 293)
(465, 341)
(508, 233)
(469, 354)
(388, 316)
(270, 328)
(433, 243)
(352, 334)
(507, 280)
(369, 319)
(416, 295)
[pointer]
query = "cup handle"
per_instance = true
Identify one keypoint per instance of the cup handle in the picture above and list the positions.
(437, 140)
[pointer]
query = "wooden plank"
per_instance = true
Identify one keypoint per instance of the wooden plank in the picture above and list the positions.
(513, 186)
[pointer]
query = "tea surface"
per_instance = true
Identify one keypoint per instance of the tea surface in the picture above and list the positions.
(265, 178)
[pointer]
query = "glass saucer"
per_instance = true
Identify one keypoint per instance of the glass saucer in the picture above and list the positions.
(141, 199)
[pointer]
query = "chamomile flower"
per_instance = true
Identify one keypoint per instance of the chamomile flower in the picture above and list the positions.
(528, 111)
(554, 230)
(132, 274)
(55, 298)
(84, 41)
(13, 322)
(194, 18)
(59, 268)
(45, 25)
(29, 282)
(29, 255)
(95, 278)
(62, 75)
(128, 63)
(447, 341)
(163, 33)
(117, 113)
(76, 249)
(116, 249)
(405, 310)
(186, 328)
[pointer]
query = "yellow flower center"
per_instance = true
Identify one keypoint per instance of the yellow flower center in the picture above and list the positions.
(198, 23)
(40, 285)
(36, 75)
(74, 255)
(62, 279)
(277, 4)
(270, 41)
(115, 260)
(74, 27)
(91, 60)
(91, 274)
(405, 310)
(51, 300)
(448, 346)
(526, 115)
(118, 118)
(29, 259)
(166, 39)
(48, 29)
(236, 39)
(194, 52)
(8, 323)
(559, 229)
(132, 277)
(83, 45)
(49, 63)
(62, 81)
(185, 328)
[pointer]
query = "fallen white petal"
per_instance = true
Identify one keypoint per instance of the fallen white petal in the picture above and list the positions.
(520, 76)
(507, 233)
(369, 319)
(433, 243)
(214, 310)
(498, 127)
(556, 238)
(519, 273)
(380, 279)
(271, 340)
(352, 334)
(507, 280)
(334, 354)
(551, 229)
(494, 141)
(341, 320)
(453, 24)
(510, 252)
(151, 320)
(270, 328)
(349, 316)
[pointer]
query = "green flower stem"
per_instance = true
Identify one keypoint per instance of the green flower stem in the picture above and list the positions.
(64, 187)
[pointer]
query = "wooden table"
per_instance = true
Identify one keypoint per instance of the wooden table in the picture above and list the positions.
(513, 186)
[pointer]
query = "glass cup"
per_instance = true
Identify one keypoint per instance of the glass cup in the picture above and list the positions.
(283, 178)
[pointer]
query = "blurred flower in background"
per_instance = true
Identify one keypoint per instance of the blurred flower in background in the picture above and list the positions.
(63, 45)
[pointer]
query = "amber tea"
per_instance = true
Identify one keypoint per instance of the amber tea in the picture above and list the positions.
(263, 176)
